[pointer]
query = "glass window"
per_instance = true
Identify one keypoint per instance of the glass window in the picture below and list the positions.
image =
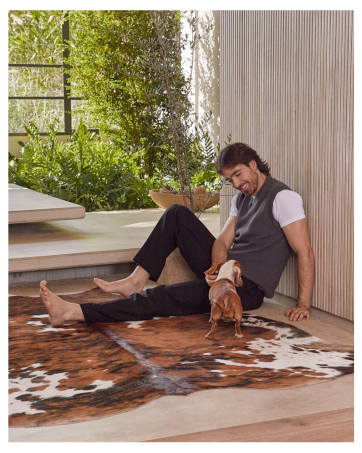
(42, 112)
(36, 82)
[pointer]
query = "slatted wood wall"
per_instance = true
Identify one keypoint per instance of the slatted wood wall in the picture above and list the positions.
(286, 89)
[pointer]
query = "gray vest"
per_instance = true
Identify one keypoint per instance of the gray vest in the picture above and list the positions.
(260, 245)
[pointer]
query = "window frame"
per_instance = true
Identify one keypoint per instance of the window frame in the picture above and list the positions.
(66, 87)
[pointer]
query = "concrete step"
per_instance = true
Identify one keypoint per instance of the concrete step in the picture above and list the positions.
(72, 273)
(63, 248)
(67, 286)
(27, 206)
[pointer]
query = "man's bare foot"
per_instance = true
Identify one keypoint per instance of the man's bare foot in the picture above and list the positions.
(124, 287)
(59, 310)
(132, 284)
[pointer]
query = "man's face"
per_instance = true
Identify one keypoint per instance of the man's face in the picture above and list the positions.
(243, 178)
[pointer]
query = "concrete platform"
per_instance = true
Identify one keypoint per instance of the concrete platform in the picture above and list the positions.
(215, 411)
(100, 238)
(27, 206)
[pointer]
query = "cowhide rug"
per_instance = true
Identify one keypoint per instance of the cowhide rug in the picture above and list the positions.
(82, 372)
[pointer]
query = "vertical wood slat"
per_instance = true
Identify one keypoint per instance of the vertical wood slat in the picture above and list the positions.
(286, 89)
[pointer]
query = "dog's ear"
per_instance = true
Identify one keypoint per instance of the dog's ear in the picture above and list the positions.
(213, 269)
(237, 274)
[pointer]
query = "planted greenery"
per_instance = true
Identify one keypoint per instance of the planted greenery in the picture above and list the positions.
(35, 36)
(165, 64)
(128, 67)
(85, 170)
(107, 70)
(131, 68)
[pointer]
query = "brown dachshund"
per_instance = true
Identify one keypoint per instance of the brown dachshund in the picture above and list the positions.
(224, 300)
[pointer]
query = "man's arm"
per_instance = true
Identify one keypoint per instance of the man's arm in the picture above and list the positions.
(222, 245)
(298, 238)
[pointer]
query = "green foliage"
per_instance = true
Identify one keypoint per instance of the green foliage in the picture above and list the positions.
(85, 170)
(128, 67)
(107, 69)
(167, 88)
(205, 175)
(35, 36)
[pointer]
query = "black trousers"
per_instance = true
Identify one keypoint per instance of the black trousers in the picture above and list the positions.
(178, 227)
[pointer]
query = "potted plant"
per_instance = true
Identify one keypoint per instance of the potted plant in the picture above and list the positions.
(166, 64)
(204, 180)
(171, 119)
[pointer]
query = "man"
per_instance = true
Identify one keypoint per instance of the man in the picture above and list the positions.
(266, 220)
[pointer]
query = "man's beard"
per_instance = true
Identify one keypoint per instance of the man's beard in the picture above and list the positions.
(252, 185)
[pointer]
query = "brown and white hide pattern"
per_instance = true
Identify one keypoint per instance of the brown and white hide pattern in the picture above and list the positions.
(82, 372)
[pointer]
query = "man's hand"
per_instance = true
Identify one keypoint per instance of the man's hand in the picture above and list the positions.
(298, 313)
(298, 238)
(210, 279)
(221, 246)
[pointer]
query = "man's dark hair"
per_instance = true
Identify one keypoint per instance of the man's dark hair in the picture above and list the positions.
(239, 153)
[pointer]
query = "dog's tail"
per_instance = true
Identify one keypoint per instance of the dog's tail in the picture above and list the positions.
(226, 306)
(222, 309)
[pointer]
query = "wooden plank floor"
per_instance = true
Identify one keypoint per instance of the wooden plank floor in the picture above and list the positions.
(331, 426)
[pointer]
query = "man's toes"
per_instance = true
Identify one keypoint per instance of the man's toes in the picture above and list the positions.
(43, 285)
(102, 284)
(45, 297)
(44, 292)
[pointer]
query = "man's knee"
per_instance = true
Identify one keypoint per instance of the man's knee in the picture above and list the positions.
(177, 207)
(179, 210)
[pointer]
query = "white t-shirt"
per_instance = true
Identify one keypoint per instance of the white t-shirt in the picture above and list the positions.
(287, 207)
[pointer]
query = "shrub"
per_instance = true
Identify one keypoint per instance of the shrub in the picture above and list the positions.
(86, 170)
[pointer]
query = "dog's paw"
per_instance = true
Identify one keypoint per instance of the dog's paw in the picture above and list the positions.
(239, 335)
(209, 337)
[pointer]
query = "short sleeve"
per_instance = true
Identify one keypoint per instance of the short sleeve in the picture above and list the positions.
(288, 207)
(233, 210)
